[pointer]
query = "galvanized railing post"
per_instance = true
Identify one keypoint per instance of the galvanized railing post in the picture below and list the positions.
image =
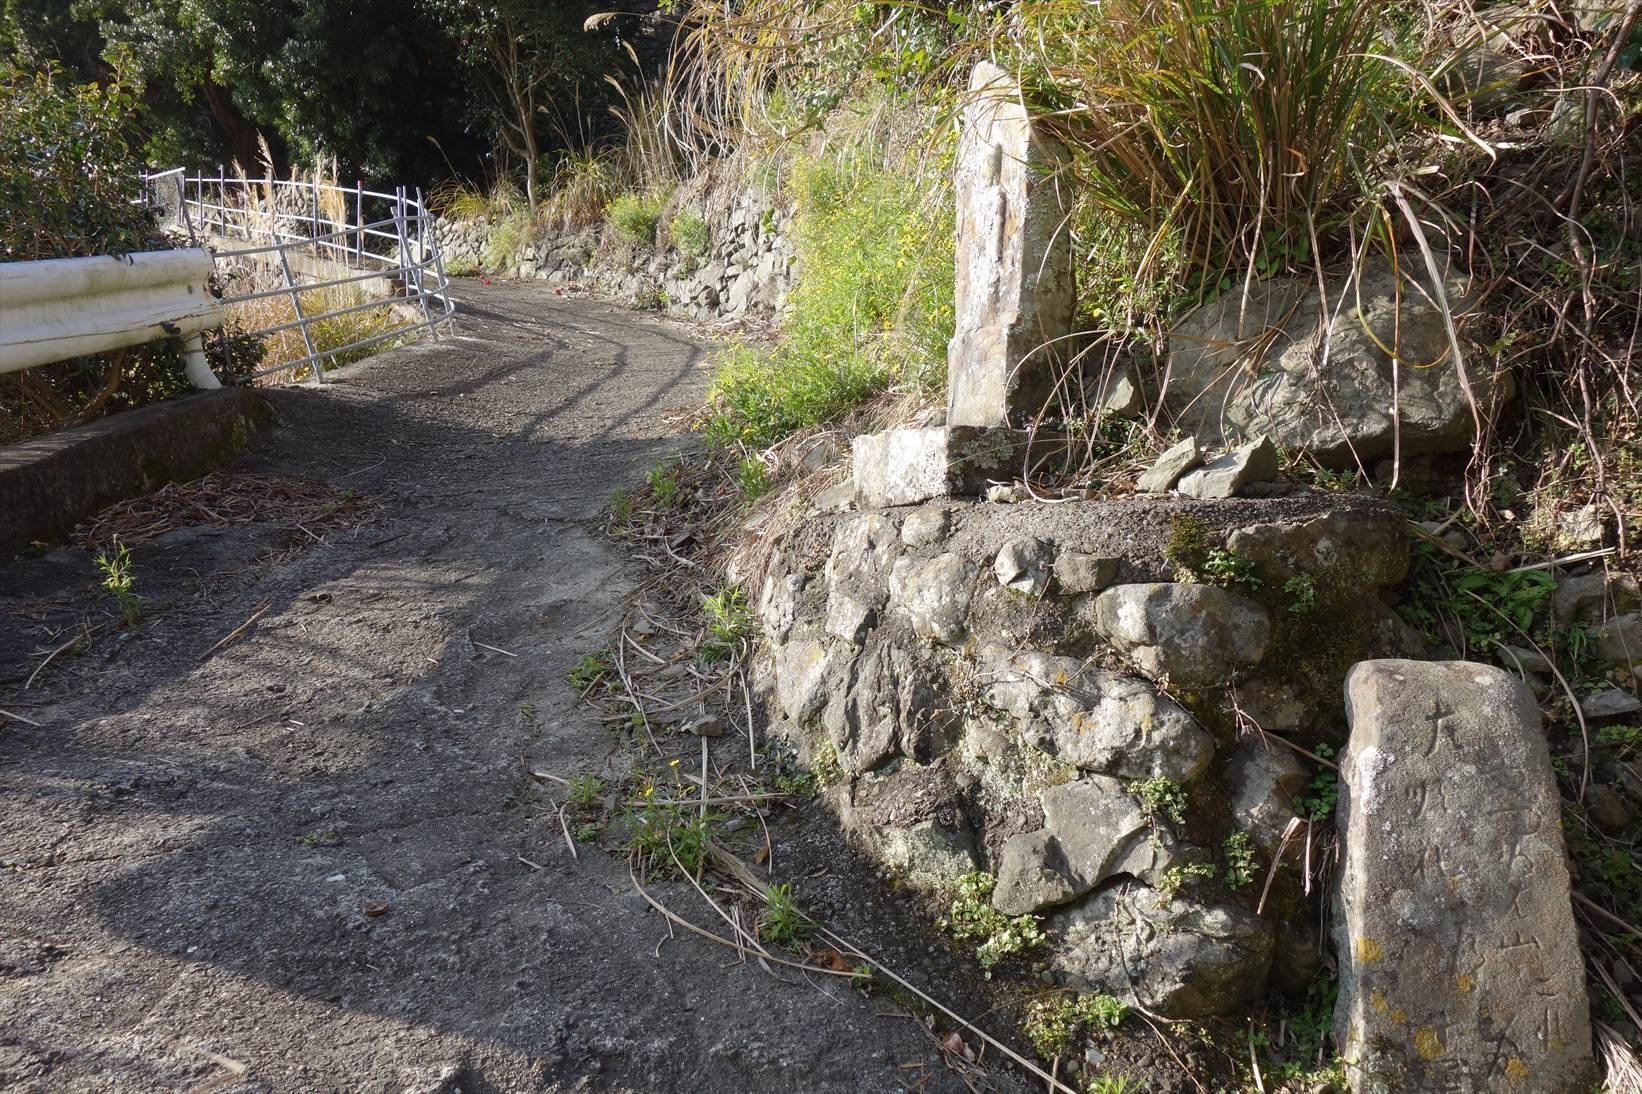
(315, 373)
(406, 267)
(222, 201)
(359, 220)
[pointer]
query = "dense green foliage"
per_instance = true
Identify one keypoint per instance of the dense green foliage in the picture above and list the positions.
(871, 309)
(393, 89)
(69, 178)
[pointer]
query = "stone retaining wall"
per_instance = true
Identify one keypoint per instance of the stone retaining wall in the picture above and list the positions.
(746, 270)
(1003, 687)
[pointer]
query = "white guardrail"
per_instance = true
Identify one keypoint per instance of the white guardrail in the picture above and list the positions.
(69, 307)
(349, 250)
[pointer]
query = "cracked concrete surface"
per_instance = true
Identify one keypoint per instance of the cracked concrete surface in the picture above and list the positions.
(188, 839)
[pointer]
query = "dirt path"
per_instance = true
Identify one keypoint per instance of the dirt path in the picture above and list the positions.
(188, 840)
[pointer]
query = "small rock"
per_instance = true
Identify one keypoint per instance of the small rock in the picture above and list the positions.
(1607, 808)
(818, 456)
(1263, 780)
(1180, 958)
(925, 526)
(1518, 660)
(1123, 397)
(1594, 596)
(935, 595)
(1619, 639)
(1162, 475)
(374, 908)
(708, 725)
(1003, 493)
(1582, 528)
(1023, 565)
(1225, 476)
(835, 499)
(1612, 703)
(1076, 572)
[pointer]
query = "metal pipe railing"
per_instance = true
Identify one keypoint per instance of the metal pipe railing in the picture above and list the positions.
(280, 218)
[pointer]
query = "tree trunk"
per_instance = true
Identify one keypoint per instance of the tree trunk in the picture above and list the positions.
(241, 134)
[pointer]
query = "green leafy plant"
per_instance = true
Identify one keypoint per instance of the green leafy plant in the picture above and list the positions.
(115, 566)
(634, 217)
(782, 922)
(1053, 1024)
(1321, 795)
(972, 918)
(590, 671)
(1490, 605)
(1301, 590)
(585, 791)
(1176, 878)
(872, 307)
(1240, 860)
(689, 235)
(1161, 799)
(1228, 569)
(668, 834)
(729, 620)
(753, 478)
(663, 482)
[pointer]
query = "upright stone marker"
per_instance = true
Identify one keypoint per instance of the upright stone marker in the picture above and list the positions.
(1014, 289)
(1460, 969)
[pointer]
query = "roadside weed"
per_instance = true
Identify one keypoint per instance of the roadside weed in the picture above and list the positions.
(589, 671)
(782, 922)
(972, 918)
(1240, 864)
(117, 580)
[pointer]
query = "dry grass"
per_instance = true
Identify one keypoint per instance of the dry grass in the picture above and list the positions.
(333, 333)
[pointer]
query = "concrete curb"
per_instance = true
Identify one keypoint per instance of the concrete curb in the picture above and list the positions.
(50, 483)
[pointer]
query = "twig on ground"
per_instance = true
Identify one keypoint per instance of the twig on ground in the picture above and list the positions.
(239, 630)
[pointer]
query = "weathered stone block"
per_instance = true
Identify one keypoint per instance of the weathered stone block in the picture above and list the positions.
(858, 575)
(1193, 634)
(935, 595)
(1094, 719)
(1225, 475)
(1076, 572)
(1180, 958)
(1014, 287)
(1460, 967)
(908, 466)
(1369, 546)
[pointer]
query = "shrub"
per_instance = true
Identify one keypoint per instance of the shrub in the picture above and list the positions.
(689, 234)
(580, 186)
(70, 186)
(506, 237)
(872, 308)
(1224, 126)
(635, 217)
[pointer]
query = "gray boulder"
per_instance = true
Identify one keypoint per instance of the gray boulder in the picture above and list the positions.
(1242, 368)
(801, 669)
(1459, 959)
(1262, 780)
(1619, 639)
(1193, 634)
(1369, 546)
(935, 595)
(1183, 958)
(1093, 829)
(1094, 719)
(857, 575)
(1076, 572)
(886, 708)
